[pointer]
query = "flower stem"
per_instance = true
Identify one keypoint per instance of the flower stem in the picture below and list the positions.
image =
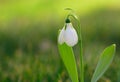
(81, 47)
(81, 56)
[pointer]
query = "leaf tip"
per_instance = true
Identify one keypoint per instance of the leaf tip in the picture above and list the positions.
(114, 45)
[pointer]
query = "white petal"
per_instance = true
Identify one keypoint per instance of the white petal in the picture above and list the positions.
(71, 37)
(61, 36)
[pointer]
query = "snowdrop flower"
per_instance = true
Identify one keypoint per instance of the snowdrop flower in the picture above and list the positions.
(68, 35)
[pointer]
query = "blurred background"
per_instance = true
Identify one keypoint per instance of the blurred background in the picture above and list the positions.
(28, 38)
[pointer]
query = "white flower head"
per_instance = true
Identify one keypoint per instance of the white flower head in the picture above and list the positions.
(71, 37)
(68, 35)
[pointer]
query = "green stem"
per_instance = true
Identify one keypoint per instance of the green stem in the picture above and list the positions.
(81, 55)
(81, 48)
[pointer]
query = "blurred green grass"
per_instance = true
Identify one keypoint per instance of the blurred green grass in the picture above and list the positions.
(28, 38)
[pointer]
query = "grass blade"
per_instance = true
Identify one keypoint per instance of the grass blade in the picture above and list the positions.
(68, 58)
(104, 61)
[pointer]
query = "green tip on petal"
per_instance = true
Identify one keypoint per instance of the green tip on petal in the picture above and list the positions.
(67, 20)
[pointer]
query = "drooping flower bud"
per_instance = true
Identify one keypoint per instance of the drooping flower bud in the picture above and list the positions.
(71, 37)
(68, 35)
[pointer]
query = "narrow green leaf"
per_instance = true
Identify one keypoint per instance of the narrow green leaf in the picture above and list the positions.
(68, 58)
(104, 61)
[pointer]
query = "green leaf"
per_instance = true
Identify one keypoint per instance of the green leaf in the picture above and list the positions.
(68, 58)
(104, 61)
